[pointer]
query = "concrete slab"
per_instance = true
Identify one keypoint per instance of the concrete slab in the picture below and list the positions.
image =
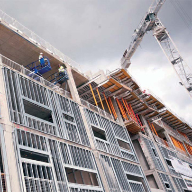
(22, 51)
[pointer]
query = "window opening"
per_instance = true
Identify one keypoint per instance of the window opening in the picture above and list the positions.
(69, 118)
(99, 133)
(169, 162)
(167, 185)
(34, 156)
(81, 177)
(37, 111)
(124, 145)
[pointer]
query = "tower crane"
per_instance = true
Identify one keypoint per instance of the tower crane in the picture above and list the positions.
(152, 23)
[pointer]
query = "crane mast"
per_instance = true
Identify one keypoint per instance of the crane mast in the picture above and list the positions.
(152, 23)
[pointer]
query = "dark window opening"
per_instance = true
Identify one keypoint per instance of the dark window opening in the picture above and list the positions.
(1, 163)
(155, 153)
(124, 145)
(134, 178)
(3, 176)
(37, 111)
(34, 156)
(169, 162)
(99, 133)
(167, 185)
(69, 118)
(81, 177)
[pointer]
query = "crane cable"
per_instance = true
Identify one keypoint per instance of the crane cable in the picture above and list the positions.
(182, 13)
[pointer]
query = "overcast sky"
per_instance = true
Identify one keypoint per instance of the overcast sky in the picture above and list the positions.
(95, 33)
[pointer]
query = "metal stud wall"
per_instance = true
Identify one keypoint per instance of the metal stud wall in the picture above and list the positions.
(166, 182)
(109, 173)
(116, 172)
(63, 116)
(83, 190)
(132, 169)
(153, 154)
(136, 186)
(45, 164)
(120, 175)
(121, 134)
(46, 169)
(58, 165)
(181, 186)
(36, 174)
(166, 155)
(14, 103)
(113, 132)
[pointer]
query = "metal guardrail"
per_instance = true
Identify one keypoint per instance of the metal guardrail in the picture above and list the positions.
(20, 68)
(38, 41)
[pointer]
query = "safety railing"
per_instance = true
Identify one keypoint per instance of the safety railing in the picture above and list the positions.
(20, 68)
(35, 39)
(97, 109)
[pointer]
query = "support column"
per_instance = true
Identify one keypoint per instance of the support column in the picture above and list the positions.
(72, 85)
(76, 98)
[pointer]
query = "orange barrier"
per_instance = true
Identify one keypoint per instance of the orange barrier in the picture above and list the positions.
(112, 108)
(93, 94)
(183, 134)
(107, 102)
(189, 148)
(133, 113)
(152, 128)
(122, 109)
(126, 107)
(100, 98)
(166, 143)
(178, 143)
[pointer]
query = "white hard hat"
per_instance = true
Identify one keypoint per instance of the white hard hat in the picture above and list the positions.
(41, 53)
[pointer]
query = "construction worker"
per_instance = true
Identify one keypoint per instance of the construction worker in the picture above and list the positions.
(41, 60)
(40, 57)
(61, 70)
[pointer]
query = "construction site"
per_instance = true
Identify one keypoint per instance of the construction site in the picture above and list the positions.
(68, 131)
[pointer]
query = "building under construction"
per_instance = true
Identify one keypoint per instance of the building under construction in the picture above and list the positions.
(72, 132)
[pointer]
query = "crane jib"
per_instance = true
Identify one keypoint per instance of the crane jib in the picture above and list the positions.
(152, 22)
